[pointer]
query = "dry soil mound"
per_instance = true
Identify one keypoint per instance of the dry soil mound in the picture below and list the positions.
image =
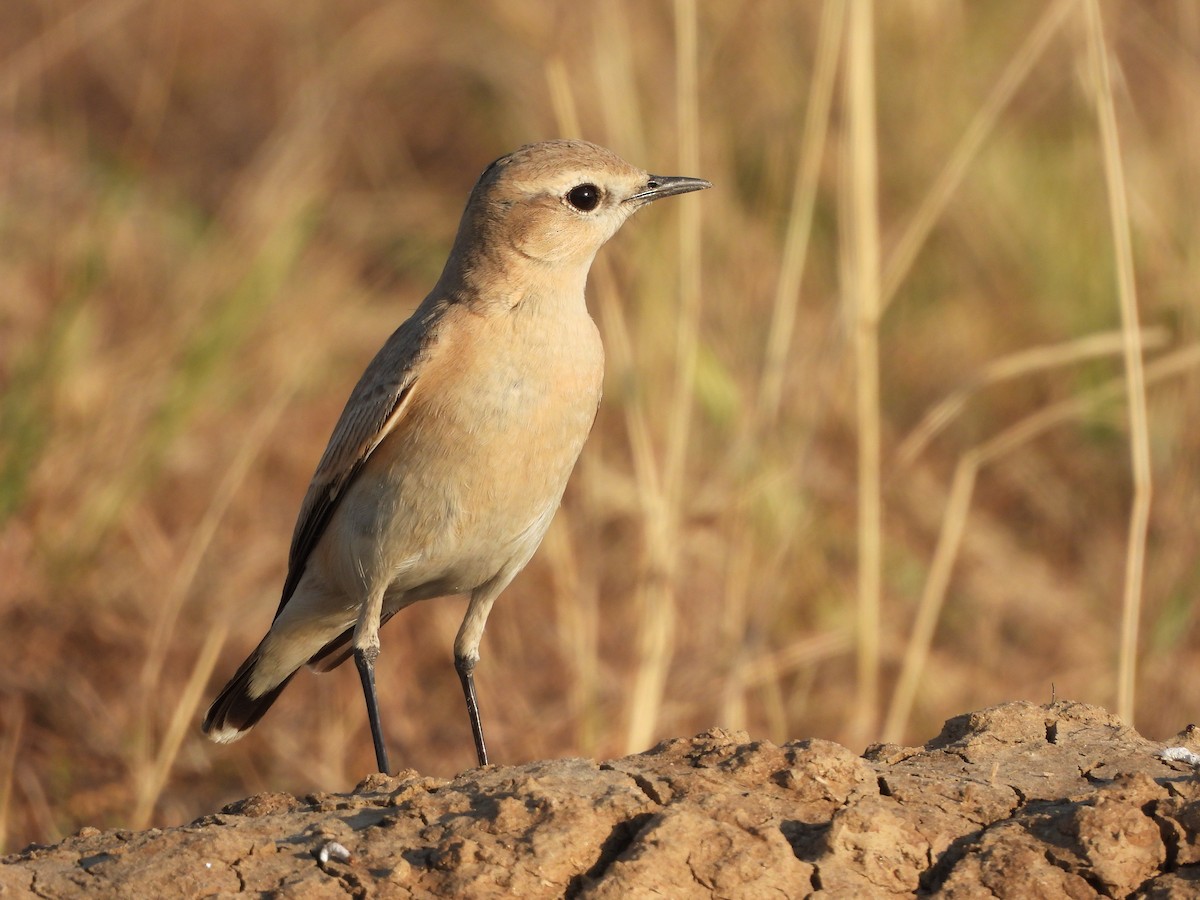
(1014, 801)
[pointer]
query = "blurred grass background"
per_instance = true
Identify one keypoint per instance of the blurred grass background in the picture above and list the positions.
(211, 215)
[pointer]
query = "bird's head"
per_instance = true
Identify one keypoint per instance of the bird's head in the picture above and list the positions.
(557, 202)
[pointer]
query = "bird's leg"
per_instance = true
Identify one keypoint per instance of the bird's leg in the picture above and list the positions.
(366, 650)
(365, 660)
(466, 648)
(465, 666)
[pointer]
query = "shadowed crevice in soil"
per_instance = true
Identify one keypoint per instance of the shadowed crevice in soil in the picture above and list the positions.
(1013, 801)
(807, 839)
(933, 878)
(619, 840)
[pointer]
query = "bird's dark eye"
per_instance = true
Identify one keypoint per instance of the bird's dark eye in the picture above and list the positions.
(584, 197)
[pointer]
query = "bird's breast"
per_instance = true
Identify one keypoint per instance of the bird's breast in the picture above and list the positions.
(469, 481)
(529, 402)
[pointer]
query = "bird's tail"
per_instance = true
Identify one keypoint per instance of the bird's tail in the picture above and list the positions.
(237, 708)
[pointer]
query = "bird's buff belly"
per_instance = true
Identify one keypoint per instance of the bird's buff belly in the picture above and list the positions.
(455, 521)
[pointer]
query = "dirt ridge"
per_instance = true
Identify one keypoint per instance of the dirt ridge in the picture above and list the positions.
(1017, 800)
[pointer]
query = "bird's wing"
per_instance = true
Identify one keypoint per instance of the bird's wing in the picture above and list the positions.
(377, 404)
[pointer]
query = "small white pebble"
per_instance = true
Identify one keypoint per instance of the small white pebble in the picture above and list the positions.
(208, 865)
(1180, 754)
(333, 850)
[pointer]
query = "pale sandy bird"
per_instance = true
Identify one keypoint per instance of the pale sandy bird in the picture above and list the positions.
(454, 449)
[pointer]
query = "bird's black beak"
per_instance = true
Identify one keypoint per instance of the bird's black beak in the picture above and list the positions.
(659, 186)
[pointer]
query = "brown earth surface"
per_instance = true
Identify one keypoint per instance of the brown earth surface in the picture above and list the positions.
(1019, 800)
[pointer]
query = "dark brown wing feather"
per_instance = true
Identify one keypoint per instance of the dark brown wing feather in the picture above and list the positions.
(377, 403)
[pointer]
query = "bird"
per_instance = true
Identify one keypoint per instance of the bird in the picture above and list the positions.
(454, 449)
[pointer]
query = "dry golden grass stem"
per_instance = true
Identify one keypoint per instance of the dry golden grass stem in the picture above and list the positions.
(933, 595)
(687, 349)
(163, 631)
(13, 720)
(1015, 365)
(741, 564)
(37, 804)
(950, 176)
(652, 589)
(150, 770)
(1139, 429)
(1130, 341)
(800, 216)
(649, 590)
(958, 506)
(562, 100)
(613, 66)
(659, 483)
(861, 276)
(582, 625)
(657, 594)
(743, 669)
(575, 603)
(577, 618)
(151, 783)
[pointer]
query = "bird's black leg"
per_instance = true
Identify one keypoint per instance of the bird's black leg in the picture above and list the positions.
(466, 674)
(366, 671)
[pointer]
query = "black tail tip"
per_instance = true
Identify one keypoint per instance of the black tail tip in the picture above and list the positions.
(235, 710)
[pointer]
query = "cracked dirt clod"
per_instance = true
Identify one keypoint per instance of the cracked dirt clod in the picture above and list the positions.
(1014, 801)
